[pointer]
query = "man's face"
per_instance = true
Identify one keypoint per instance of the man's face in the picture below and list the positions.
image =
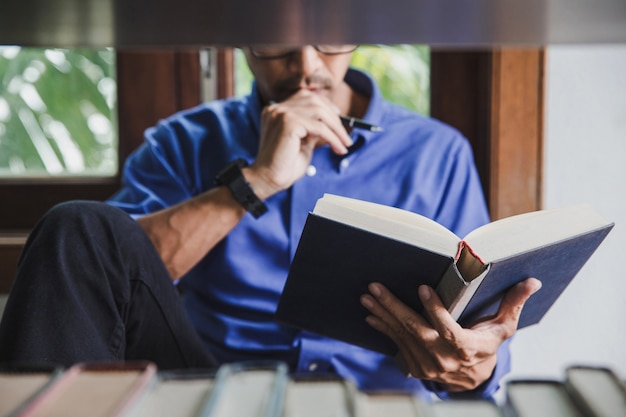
(299, 68)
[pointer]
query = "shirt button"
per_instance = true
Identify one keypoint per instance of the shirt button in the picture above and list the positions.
(311, 170)
(345, 163)
(313, 366)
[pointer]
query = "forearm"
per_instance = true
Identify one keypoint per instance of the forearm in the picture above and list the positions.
(183, 234)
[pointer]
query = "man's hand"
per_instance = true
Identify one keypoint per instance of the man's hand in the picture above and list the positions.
(290, 132)
(441, 350)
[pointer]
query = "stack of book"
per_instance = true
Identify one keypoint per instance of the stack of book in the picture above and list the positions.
(266, 389)
(586, 391)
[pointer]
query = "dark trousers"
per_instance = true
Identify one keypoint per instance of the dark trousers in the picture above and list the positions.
(90, 286)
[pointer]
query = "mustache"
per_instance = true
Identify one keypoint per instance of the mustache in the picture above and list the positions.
(294, 83)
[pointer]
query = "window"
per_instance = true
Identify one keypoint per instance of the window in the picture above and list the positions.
(401, 71)
(57, 112)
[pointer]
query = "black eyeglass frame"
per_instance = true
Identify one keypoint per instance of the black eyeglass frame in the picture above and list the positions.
(295, 50)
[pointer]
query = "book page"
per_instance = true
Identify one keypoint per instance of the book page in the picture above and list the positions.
(541, 398)
(465, 408)
(177, 398)
(92, 393)
(517, 234)
(396, 404)
(311, 398)
(246, 388)
(391, 222)
(600, 389)
(17, 388)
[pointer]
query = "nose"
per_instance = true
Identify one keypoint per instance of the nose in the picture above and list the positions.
(305, 61)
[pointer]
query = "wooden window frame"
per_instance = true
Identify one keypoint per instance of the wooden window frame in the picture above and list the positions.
(495, 98)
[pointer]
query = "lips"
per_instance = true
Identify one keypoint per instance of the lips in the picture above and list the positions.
(314, 89)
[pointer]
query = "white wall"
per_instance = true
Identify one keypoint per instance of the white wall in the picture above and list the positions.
(585, 161)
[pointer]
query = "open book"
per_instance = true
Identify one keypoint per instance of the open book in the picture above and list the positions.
(348, 243)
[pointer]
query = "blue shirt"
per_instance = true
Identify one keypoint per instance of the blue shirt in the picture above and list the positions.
(416, 163)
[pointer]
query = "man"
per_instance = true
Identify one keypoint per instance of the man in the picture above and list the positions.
(289, 146)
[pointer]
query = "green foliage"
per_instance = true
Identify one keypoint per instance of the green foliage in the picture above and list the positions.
(401, 71)
(57, 112)
(243, 76)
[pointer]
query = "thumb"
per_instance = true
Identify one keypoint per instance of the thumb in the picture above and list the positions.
(515, 298)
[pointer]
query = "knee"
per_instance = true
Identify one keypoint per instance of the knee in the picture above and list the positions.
(83, 213)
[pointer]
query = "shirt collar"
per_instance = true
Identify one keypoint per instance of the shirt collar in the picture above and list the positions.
(255, 106)
(364, 84)
(357, 80)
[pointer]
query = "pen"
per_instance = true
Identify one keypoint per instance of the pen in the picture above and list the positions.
(360, 124)
(353, 122)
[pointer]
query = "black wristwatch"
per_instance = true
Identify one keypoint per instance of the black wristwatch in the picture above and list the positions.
(233, 178)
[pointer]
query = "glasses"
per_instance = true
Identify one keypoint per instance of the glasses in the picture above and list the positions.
(278, 52)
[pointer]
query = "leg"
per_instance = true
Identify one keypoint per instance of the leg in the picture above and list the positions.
(91, 287)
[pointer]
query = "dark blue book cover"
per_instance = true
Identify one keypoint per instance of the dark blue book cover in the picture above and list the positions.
(334, 263)
(333, 266)
(555, 265)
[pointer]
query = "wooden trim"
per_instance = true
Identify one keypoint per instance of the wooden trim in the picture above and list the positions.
(516, 159)
(496, 100)
(459, 85)
(147, 90)
(187, 78)
(225, 72)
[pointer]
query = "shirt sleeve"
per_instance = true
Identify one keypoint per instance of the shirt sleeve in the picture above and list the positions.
(462, 207)
(155, 175)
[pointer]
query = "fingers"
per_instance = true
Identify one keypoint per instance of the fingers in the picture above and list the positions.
(316, 115)
(504, 324)
(290, 132)
(439, 316)
(409, 331)
(401, 321)
(441, 350)
(398, 319)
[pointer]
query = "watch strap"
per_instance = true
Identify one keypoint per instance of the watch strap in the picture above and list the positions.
(232, 177)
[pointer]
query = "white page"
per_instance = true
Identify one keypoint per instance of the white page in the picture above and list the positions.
(518, 234)
(392, 222)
